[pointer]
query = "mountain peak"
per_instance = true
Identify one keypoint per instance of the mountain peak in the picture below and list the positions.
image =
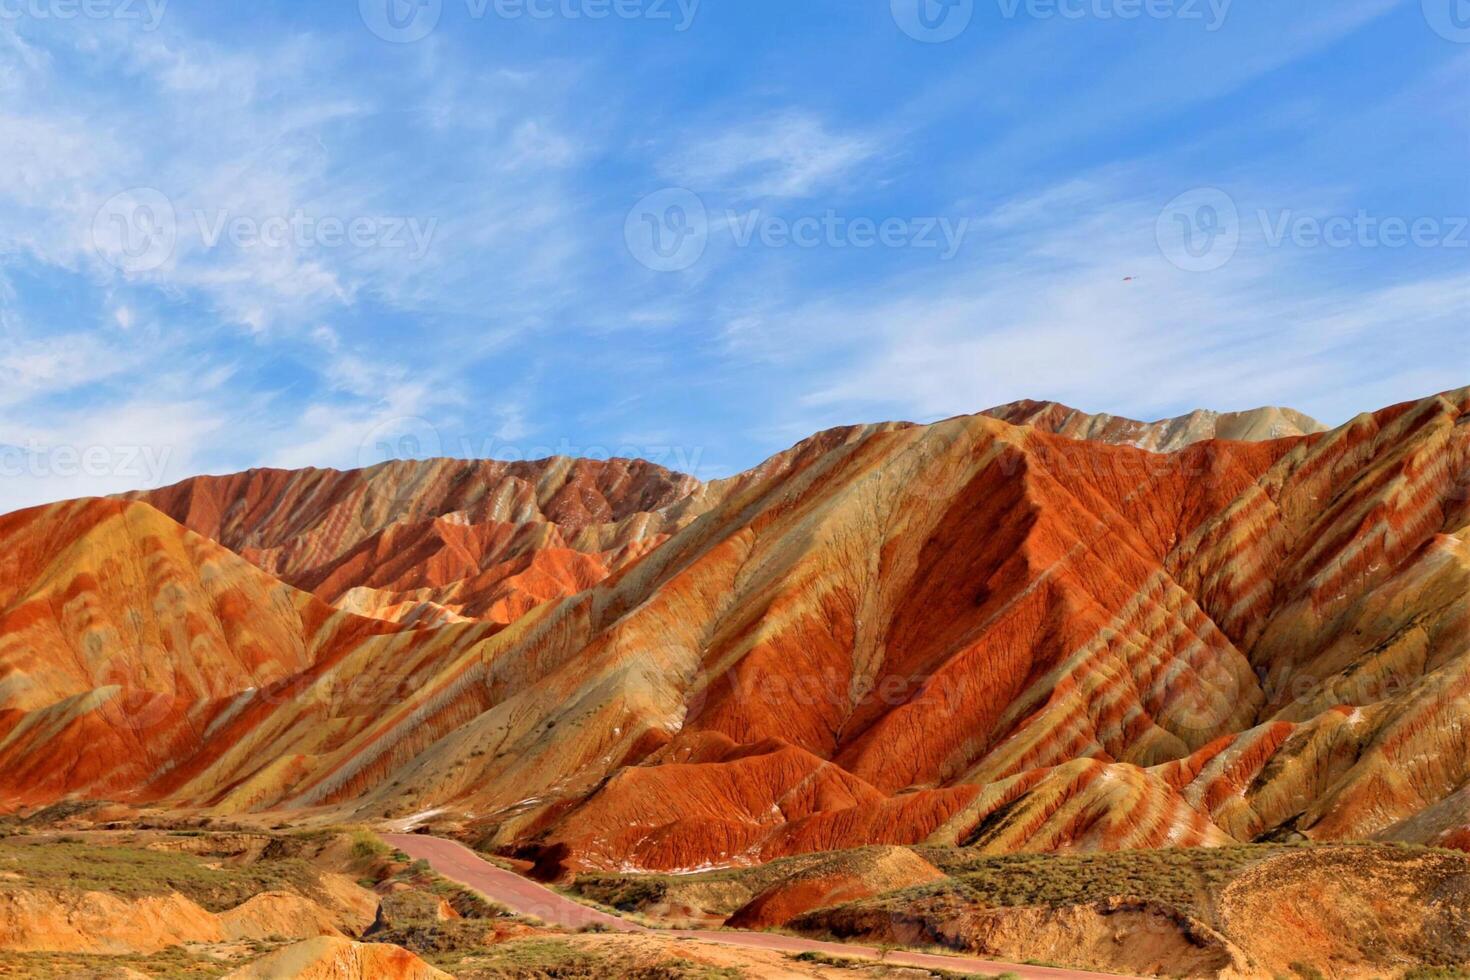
(1165, 435)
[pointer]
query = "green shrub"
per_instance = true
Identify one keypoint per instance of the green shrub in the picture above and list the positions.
(366, 846)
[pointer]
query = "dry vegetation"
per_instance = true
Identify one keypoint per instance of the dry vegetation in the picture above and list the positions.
(1167, 902)
(1184, 878)
(171, 964)
(461, 933)
(78, 864)
(560, 959)
(719, 892)
(220, 871)
(1180, 877)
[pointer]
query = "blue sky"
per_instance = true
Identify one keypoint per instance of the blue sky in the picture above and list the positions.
(310, 234)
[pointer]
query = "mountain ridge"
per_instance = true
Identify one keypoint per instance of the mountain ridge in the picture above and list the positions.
(974, 632)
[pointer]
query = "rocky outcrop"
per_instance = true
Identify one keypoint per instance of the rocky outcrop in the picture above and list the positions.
(1125, 936)
(1166, 436)
(1355, 911)
(140, 661)
(60, 921)
(404, 909)
(440, 540)
(338, 959)
(277, 914)
(836, 880)
(33, 920)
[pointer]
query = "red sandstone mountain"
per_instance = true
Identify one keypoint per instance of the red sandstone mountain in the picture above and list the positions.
(437, 541)
(974, 632)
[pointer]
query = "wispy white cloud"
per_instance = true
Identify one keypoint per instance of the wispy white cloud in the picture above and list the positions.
(785, 154)
(137, 443)
(1078, 304)
(260, 132)
(526, 319)
(32, 368)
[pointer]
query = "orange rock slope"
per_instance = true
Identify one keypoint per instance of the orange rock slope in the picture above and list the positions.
(439, 541)
(975, 632)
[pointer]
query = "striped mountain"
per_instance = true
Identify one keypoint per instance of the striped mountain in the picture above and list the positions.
(974, 632)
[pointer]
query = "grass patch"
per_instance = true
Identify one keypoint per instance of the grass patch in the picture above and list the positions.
(174, 963)
(1181, 877)
(467, 903)
(1186, 878)
(558, 959)
(368, 846)
(1306, 971)
(132, 872)
(624, 893)
(720, 891)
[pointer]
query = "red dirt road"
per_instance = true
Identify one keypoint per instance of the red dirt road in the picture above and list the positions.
(455, 861)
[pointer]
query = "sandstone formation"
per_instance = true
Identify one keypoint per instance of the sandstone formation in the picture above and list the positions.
(95, 922)
(1118, 936)
(976, 632)
(33, 920)
(1165, 436)
(338, 959)
(839, 879)
(439, 540)
(137, 658)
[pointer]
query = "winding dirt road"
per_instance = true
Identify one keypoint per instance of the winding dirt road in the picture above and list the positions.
(457, 862)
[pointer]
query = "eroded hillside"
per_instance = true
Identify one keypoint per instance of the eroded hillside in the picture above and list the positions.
(972, 633)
